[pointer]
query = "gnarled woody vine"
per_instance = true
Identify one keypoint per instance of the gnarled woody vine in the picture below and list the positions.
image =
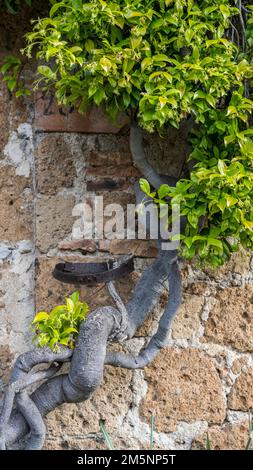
(89, 356)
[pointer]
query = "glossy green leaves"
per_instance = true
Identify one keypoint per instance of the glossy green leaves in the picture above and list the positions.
(61, 325)
(164, 60)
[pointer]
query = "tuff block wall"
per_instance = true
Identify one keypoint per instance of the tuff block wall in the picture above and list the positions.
(202, 381)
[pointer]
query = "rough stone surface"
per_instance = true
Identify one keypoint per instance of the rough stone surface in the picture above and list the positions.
(228, 437)
(16, 293)
(16, 206)
(241, 395)
(6, 361)
(231, 320)
(54, 220)
(238, 365)
(110, 403)
(187, 320)
(4, 122)
(55, 166)
(182, 386)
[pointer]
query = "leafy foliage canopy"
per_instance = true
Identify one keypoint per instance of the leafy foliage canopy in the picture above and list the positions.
(163, 61)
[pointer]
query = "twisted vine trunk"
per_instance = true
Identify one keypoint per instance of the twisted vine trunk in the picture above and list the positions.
(22, 414)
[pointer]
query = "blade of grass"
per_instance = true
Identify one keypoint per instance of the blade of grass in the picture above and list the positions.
(208, 443)
(152, 421)
(106, 435)
(249, 441)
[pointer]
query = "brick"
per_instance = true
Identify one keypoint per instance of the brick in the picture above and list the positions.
(107, 184)
(85, 246)
(51, 118)
(140, 248)
(111, 157)
(126, 171)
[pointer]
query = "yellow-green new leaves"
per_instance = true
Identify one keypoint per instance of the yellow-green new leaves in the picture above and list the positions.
(61, 325)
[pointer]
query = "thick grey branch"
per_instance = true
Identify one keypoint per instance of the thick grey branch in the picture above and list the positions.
(149, 289)
(140, 160)
(159, 339)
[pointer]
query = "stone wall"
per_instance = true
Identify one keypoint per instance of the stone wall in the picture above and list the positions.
(203, 380)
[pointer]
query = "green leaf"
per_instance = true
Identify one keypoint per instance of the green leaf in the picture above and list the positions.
(64, 340)
(55, 8)
(77, 4)
(208, 443)
(46, 71)
(215, 242)
(70, 305)
(145, 186)
(22, 92)
(229, 139)
(75, 297)
(105, 64)
(247, 223)
(152, 421)
(11, 84)
(106, 435)
(193, 219)
(58, 309)
(146, 63)
(222, 167)
(230, 200)
(68, 332)
(89, 45)
(41, 316)
(158, 58)
(221, 125)
(163, 191)
(222, 204)
(99, 96)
